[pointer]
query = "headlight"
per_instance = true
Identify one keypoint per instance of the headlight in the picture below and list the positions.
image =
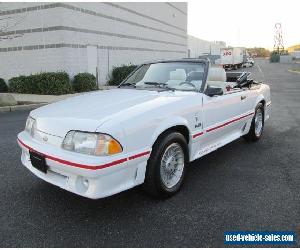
(30, 124)
(91, 143)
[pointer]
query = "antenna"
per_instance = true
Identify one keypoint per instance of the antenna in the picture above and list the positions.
(278, 39)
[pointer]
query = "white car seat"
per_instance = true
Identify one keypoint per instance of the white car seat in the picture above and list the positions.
(217, 77)
(176, 77)
(195, 77)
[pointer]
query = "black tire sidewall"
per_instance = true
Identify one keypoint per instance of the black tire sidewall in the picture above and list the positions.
(155, 161)
(251, 136)
(261, 107)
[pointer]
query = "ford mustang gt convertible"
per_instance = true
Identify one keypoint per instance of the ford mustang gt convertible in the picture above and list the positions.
(163, 116)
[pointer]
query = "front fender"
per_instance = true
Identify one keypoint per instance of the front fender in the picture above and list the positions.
(167, 124)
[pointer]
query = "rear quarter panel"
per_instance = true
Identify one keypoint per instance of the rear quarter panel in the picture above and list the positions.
(261, 93)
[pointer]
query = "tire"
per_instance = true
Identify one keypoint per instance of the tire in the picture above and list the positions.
(156, 178)
(255, 132)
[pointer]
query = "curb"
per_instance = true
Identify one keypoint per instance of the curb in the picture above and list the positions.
(21, 107)
(293, 71)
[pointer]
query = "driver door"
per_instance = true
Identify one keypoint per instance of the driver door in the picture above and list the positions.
(223, 118)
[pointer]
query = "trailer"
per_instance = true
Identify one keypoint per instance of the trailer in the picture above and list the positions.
(233, 58)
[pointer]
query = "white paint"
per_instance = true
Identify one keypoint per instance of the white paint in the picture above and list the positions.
(135, 118)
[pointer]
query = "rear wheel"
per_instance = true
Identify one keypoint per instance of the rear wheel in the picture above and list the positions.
(166, 165)
(257, 125)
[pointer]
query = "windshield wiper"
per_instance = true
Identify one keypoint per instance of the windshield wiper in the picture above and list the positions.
(155, 83)
(160, 85)
(128, 84)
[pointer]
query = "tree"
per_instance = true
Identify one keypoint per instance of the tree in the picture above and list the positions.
(258, 52)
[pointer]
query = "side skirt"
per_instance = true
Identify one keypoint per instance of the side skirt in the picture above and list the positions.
(214, 146)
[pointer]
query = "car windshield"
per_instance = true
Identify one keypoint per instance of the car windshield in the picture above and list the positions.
(186, 76)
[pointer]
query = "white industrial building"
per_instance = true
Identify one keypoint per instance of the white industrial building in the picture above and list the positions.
(93, 37)
(198, 47)
(88, 37)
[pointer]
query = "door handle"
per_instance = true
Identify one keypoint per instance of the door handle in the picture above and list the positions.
(243, 97)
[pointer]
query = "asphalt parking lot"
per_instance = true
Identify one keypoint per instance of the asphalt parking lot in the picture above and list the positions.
(242, 186)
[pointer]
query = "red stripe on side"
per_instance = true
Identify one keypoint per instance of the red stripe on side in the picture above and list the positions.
(198, 134)
(227, 123)
(78, 165)
(138, 155)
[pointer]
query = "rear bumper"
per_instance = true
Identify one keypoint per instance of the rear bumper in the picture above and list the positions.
(88, 176)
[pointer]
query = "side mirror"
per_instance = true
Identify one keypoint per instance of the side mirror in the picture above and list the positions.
(213, 91)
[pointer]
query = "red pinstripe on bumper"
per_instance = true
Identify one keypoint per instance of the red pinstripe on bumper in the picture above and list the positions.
(78, 165)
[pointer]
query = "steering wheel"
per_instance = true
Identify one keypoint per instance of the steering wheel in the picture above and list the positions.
(188, 83)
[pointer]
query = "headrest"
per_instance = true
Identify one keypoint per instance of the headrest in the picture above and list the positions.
(178, 74)
(195, 76)
(216, 74)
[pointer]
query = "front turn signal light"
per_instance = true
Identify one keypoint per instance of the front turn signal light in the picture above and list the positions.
(107, 145)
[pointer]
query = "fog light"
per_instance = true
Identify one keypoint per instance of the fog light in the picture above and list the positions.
(86, 183)
(82, 184)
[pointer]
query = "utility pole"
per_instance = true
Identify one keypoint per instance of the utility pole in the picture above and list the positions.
(278, 39)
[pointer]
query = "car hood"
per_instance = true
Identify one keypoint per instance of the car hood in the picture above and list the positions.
(88, 111)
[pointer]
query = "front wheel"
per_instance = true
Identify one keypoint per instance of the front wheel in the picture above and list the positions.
(257, 125)
(166, 165)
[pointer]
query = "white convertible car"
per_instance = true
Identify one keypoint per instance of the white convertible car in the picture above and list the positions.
(163, 116)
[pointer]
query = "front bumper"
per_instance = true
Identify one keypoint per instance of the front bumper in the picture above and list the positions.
(267, 110)
(88, 176)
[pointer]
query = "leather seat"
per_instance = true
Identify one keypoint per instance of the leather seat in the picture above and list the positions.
(217, 77)
(176, 77)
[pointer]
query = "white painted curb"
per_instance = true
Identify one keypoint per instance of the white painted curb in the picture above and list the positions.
(21, 107)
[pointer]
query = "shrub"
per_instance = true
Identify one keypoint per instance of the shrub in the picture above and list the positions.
(275, 57)
(3, 86)
(18, 85)
(84, 82)
(118, 74)
(51, 83)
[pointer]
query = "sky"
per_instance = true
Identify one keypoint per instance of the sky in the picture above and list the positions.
(246, 23)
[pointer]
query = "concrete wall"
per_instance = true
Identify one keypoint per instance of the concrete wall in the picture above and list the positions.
(286, 59)
(295, 54)
(89, 37)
